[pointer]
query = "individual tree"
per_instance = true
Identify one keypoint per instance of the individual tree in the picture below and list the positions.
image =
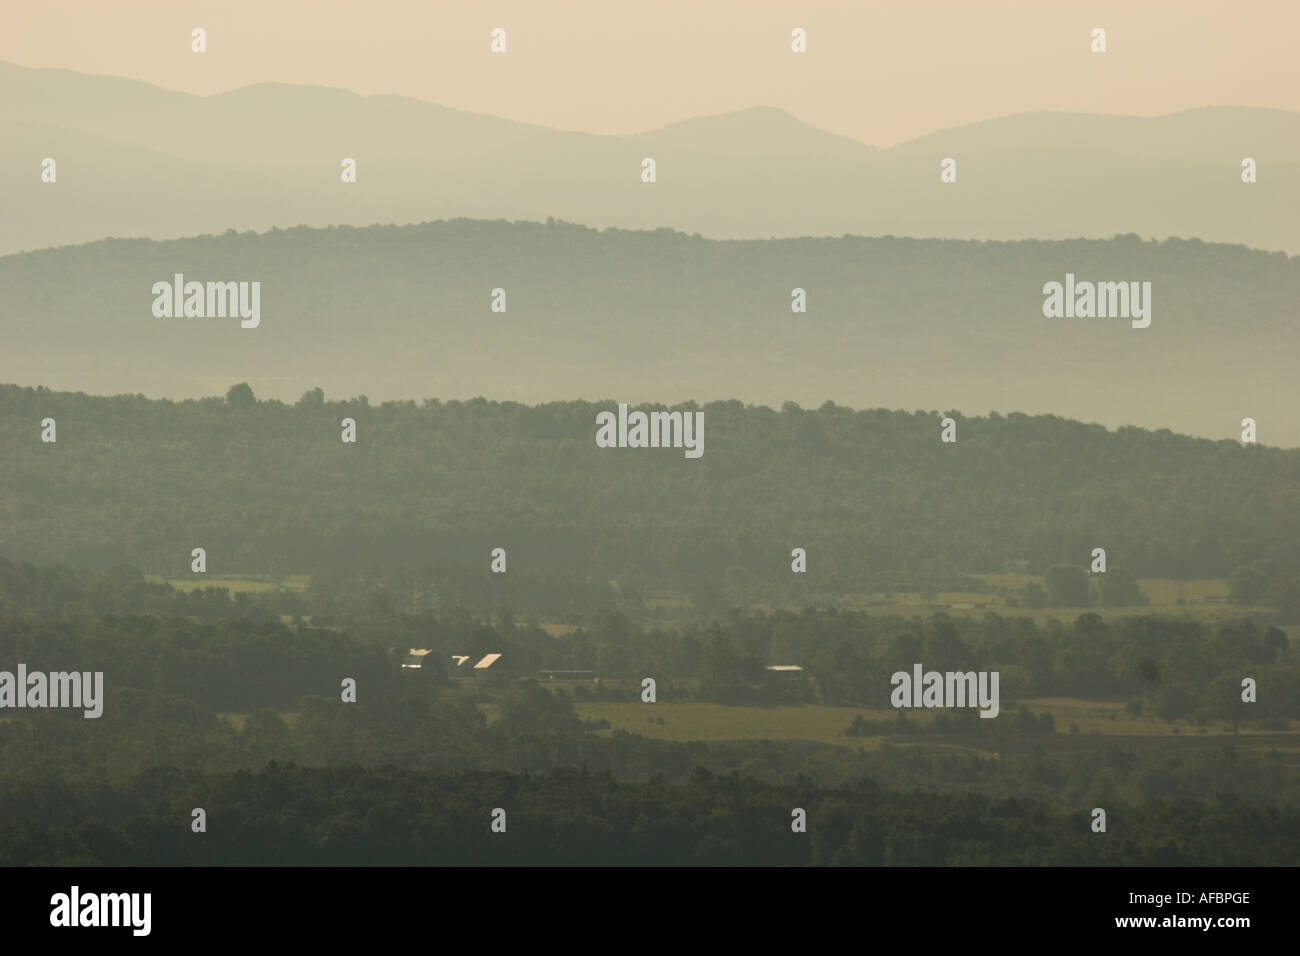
(240, 396)
(1223, 700)
(1067, 586)
(1118, 587)
(1247, 585)
(312, 398)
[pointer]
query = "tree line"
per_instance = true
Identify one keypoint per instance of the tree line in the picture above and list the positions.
(873, 496)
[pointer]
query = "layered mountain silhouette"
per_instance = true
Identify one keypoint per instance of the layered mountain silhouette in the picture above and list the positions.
(402, 312)
(135, 160)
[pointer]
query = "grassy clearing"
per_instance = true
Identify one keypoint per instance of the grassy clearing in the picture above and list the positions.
(1166, 592)
(1010, 580)
(688, 721)
(704, 722)
(234, 585)
(1109, 718)
(691, 721)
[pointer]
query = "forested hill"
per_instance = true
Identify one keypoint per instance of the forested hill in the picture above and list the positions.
(394, 312)
(266, 486)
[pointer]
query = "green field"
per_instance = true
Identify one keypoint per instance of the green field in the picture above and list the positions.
(237, 583)
(685, 721)
(233, 585)
(690, 721)
(1164, 594)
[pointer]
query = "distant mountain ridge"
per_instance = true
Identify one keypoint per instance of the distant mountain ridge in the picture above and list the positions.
(137, 160)
(399, 311)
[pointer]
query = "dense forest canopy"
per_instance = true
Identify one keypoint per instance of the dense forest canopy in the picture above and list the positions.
(285, 816)
(266, 487)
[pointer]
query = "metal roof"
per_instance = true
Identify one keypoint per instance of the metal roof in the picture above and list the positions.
(487, 661)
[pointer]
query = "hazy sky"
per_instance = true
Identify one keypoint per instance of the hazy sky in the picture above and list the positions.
(880, 71)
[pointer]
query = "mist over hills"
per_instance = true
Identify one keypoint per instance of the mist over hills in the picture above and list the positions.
(137, 160)
(402, 312)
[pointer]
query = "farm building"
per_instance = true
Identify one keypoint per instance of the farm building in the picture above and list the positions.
(787, 671)
(488, 668)
(415, 657)
(784, 683)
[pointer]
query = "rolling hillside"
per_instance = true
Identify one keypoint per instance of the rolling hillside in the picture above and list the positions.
(402, 312)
